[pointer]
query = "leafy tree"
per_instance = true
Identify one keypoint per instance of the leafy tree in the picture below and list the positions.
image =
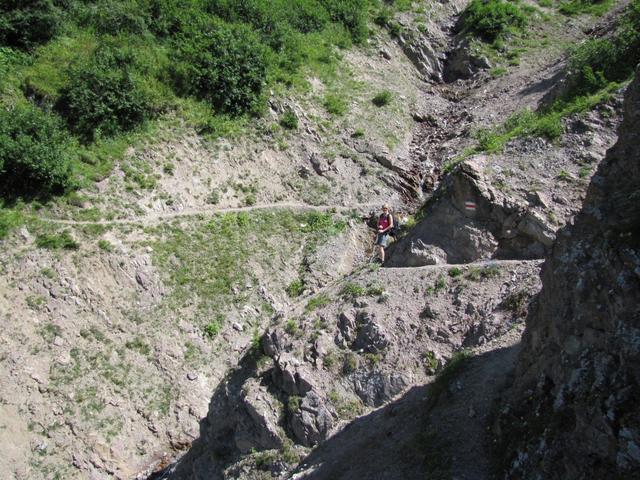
(34, 153)
(26, 23)
(114, 16)
(223, 63)
(104, 95)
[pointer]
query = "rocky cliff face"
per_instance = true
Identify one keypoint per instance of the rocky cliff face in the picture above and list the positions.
(573, 410)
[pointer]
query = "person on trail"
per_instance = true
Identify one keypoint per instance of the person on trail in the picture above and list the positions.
(385, 224)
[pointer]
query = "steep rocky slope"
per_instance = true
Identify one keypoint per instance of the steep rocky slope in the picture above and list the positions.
(572, 411)
(216, 296)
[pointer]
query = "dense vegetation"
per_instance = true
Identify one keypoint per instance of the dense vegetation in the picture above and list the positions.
(76, 74)
(491, 19)
(598, 62)
(596, 68)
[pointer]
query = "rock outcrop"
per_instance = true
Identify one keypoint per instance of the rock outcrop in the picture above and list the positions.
(469, 219)
(573, 409)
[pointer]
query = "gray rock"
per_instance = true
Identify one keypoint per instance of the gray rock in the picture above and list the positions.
(263, 433)
(290, 376)
(347, 326)
(319, 163)
(376, 388)
(236, 326)
(372, 336)
(275, 342)
(421, 254)
(312, 422)
(142, 280)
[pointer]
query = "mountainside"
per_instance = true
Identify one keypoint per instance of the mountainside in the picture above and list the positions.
(572, 410)
(189, 288)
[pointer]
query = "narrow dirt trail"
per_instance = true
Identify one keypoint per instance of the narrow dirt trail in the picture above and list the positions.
(192, 212)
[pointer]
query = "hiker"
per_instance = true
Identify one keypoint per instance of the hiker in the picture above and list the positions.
(385, 224)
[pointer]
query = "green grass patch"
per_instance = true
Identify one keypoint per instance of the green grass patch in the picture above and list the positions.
(592, 7)
(317, 302)
(295, 288)
(545, 124)
(57, 241)
(207, 261)
(335, 104)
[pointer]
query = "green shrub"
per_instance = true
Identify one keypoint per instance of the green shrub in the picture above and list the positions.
(350, 13)
(455, 272)
(597, 62)
(9, 219)
(105, 245)
(112, 17)
(595, 7)
(317, 302)
(62, 241)
(289, 120)
(221, 63)
(383, 98)
(489, 19)
(26, 23)
(35, 156)
(295, 288)
(334, 104)
(212, 329)
(104, 96)
(352, 290)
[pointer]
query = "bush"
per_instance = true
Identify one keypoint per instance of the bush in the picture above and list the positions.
(27, 23)
(289, 120)
(35, 157)
(295, 288)
(595, 63)
(112, 17)
(574, 7)
(350, 13)
(383, 98)
(62, 241)
(223, 64)
(489, 19)
(335, 104)
(104, 97)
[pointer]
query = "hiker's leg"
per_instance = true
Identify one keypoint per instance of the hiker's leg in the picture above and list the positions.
(381, 253)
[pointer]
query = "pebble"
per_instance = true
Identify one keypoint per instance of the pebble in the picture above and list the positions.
(238, 327)
(192, 376)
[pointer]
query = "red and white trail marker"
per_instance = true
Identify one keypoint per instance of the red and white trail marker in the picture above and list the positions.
(469, 205)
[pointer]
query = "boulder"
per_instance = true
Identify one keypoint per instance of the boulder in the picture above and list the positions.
(421, 254)
(376, 388)
(291, 376)
(312, 422)
(262, 432)
(347, 326)
(372, 336)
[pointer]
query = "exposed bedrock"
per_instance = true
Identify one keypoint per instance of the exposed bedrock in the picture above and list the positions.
(468, 219)
(573, 409)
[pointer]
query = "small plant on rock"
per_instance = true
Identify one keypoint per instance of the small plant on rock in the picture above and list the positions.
(455, 272)
(349, 363)
(352, 290)
(295, 288)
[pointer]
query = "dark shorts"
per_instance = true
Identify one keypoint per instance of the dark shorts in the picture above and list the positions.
(382, 239)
